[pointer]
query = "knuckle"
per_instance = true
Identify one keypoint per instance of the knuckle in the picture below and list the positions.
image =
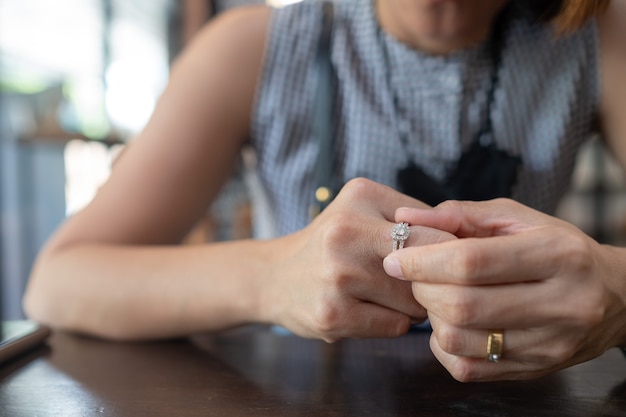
(452, 205)
(454, 208)
(402, 327)
(466, 263)
(462, 309)
(576, 249)
(595, 316)
(560, 352)
(590, 311)
(338, 231)
(504, 202)
(450, 340)
(337, 278)
(554, 351)
(566, 353)
(464, 370)
(326, 319)
(357, 188)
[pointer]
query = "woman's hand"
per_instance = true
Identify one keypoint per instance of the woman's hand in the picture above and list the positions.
(329, 282)
(558, 295)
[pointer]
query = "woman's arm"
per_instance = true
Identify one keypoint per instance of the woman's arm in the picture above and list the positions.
(101, 272)
(612, 32)
(116, 270)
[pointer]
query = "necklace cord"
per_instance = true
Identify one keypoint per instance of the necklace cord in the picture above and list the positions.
(323, 123)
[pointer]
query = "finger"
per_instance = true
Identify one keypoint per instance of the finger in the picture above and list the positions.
(379, 197)
(471, 343)
(389, 294)
(355, 236)
(457, 341)
(525, 257)
(418, 236)
(514, 306)
(368, 320)
(364, 201)
(475, 219)
(351, 269)
(533, 345)
(526, 353)
(469, 369)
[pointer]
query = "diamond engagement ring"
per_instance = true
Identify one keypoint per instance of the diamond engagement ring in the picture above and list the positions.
(495, 342)
(399, 233)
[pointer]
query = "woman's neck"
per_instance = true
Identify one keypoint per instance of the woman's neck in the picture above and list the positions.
(438, 27)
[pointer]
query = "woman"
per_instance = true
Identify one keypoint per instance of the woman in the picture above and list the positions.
(418, 82)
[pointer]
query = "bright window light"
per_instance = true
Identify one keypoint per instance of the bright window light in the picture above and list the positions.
(281, 3)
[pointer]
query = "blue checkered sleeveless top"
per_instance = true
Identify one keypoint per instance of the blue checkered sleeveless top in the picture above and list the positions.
(544, 107)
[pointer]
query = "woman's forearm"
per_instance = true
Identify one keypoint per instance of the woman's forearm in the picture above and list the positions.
(325, 281)
(613, 263)
(134, 292)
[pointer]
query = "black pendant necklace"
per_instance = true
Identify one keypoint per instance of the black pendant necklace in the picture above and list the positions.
(483, 171)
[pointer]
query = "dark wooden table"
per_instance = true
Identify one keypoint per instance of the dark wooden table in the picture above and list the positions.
(261, 372)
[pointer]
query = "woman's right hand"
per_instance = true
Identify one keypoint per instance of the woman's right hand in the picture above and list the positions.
(328, 281)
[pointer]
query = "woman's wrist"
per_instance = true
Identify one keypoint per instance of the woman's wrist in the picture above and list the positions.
(612, 267)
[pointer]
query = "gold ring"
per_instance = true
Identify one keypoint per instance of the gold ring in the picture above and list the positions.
(495, 343)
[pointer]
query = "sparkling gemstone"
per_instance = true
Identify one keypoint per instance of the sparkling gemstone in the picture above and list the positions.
(400, 231)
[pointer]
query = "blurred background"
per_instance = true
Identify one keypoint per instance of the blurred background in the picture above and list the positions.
(78, 78)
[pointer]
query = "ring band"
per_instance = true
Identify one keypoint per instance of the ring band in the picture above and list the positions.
(495, 343)
(399, 233)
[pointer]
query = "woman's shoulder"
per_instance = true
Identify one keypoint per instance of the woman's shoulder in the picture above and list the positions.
(238, 25)
(232, 43)
(612, 30)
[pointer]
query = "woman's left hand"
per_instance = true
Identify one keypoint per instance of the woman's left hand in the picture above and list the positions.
(558, 295)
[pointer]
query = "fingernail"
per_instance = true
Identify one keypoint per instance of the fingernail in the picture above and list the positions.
(392, 267)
